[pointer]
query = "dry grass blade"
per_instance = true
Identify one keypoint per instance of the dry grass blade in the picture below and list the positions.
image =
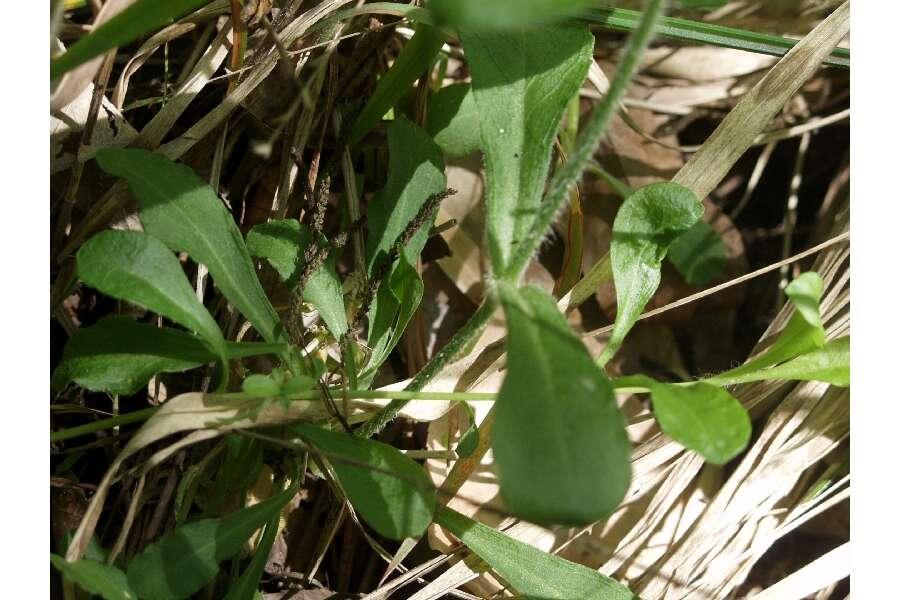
(739, 129)
(825, 570)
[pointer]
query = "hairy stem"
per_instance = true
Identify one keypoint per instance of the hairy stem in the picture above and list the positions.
(571, 171)
(468, 333)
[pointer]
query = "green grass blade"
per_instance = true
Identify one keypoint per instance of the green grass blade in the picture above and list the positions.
(686, 30)
(133, 22)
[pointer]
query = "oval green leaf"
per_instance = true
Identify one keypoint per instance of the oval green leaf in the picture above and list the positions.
(649, 221)
(559, 440)
(699, 416)
(389, 490)
(118, 355)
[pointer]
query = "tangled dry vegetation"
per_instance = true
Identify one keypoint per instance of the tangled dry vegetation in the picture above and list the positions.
(257, 103)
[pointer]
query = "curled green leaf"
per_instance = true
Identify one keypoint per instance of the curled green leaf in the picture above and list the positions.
(648, 222)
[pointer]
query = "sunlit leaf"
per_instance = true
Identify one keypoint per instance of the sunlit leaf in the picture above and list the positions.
(560, 447)
(699, 416)
(830, 364)
(521, 83)
(648, 221)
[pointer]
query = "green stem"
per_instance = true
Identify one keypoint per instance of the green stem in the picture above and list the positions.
(132, 417)
(467, 334)
(571, 171)
(621, 19)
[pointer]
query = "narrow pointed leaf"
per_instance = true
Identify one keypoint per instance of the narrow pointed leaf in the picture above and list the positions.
(180, 209)
(118, 355)
(803, 333)
(248, 583)
(417, 56)
(138, 19)
(416, 172)
(283, 243)
(698, 254)
(830, 364)
(699, 416)
(94, 577)
(521, 82)
(389, 490)
(534, 574)
(394, 305)
(136, 267)
(188, 558)
(452, 120)
(559, 439)
(649, 221)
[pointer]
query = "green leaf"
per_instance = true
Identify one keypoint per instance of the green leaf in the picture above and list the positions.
(260, 385)
(504, 14)
(136, 267)
(417, 56)
(559, 439)
(118, 355)
(468, 441)
(713, 34)
(535, 574)
(180, 209)
(138, 19)
(415, 173)
(452, 120)
(393, 307)
(95, 577)
(188, 558)
(705, 5)
(247, 585)
(387, 488)
(803, 333)
(283, 243)
(521, 82)
(698, 254)
(649, 220)
(830, 364)
(699, 416)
